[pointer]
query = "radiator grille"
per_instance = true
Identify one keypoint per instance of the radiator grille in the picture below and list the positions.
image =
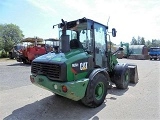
(52, 71)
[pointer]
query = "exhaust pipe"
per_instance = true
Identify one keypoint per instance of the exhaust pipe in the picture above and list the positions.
(65, 46)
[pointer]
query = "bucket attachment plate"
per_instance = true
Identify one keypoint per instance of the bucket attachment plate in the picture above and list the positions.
(133, 73)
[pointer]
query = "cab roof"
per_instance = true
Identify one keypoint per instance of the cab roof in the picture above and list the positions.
(71, 24)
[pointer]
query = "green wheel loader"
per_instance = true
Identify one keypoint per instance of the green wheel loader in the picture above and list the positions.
(82, 67)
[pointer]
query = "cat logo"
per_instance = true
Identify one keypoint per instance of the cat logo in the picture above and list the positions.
(84, 66)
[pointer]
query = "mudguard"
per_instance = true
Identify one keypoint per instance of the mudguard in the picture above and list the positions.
(119, 69)
(98, 70)
(104, 72)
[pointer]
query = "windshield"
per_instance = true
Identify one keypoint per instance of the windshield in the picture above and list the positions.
(18, 47)
(155, 49)
(80, 33)
(72, 34)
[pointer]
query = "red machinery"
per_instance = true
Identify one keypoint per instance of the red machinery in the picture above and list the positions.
(34, 47)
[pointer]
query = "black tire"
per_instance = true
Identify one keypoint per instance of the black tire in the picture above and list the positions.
(57, 95)
(122, 76)
(155, 58)
(24, 61)
(91, 98)
(10, 56)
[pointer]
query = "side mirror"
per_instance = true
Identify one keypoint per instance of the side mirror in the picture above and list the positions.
(114, 32)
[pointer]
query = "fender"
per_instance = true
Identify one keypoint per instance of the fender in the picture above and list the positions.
(119, 67)
(99, 70)
(118, 70)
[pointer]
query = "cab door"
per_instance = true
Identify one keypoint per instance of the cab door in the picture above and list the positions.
(100, 45)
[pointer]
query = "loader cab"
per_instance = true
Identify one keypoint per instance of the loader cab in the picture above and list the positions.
(87, 35)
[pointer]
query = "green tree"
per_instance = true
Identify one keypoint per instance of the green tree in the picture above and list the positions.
(10, 34)
(134, 41)
(148, 43)
(142, 41)
(158, 43)
(155, 43)
(1, 44)
(139, 40)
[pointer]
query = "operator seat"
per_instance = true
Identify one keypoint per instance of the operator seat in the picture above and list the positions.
(75, 44)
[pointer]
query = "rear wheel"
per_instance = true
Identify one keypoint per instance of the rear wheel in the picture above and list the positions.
(96, 91)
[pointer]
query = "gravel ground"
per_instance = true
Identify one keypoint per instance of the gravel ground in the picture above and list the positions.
(20, 100)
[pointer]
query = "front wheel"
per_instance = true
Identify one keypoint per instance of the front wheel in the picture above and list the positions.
(124, 80)
(121, 76)
(155, 58)
(96, 91)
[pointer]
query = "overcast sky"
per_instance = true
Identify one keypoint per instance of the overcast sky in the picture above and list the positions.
(130, 17)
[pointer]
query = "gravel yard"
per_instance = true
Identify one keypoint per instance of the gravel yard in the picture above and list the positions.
(20, 100)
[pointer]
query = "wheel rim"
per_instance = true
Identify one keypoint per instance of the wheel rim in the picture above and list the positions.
(99, 91)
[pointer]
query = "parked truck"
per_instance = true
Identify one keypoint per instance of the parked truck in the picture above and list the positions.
(82, 67)
(154, 53)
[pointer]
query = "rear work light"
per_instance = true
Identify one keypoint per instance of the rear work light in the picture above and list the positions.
(64, 88)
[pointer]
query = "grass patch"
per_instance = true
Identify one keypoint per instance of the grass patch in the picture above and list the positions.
(3, 54)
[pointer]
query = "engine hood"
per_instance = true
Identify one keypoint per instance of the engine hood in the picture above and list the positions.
(51, 57)
(58, 57)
